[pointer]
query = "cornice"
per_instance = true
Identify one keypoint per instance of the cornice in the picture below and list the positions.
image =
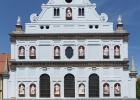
(71, 63)
(71, 36)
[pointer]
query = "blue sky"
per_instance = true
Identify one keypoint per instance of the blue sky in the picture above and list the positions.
(128, 9)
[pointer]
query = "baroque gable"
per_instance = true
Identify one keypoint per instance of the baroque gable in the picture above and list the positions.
(54, 18)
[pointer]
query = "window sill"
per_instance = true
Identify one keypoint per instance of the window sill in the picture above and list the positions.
(81, 16)
(56, 16)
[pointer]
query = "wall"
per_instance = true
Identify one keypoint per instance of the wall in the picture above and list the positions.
(93, 49)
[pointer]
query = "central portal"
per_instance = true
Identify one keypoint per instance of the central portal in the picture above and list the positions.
(69, 86)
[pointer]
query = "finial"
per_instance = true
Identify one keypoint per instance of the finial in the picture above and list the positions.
(119, 19)
(19, 21)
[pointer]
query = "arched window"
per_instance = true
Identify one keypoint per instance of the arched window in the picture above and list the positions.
(81, 89)
(117, 89)
(21, 89)
(56, 52)
(32, 52)
(68, 13)
(106, 51)
(44, 85)
(94, 85)
(21, 52)
(32, 90)
(57, 89)
(116, 51)
(81, 52)
(69, 86)
(106, 89)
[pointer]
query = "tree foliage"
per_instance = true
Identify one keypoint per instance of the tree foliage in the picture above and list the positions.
(138, 89)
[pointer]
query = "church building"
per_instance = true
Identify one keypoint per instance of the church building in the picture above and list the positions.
(69, 51)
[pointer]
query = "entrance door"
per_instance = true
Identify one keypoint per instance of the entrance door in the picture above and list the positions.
(94, 85)
(44, 85)
(69, 86)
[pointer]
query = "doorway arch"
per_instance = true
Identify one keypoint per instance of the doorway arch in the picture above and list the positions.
(69, 85)
(44, 85)
(93, 85)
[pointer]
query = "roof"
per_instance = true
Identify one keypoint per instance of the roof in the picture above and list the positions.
(3, 60)
(138, 77)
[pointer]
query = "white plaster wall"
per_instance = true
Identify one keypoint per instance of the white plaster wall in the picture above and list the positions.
(32, 75)
(93, 49)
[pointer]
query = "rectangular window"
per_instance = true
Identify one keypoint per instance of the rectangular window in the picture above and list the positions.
(81, 12)
(56, 12)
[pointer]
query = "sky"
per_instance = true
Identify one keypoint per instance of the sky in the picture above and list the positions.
(128, 9)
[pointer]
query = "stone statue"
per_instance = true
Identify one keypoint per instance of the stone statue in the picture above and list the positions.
(56, 51)
(81, 52)
(21, 52)
(106, 90)
(106, 51)
(82, 89)
(32, 51)
(22, 89)
(116, 51)
(119, 19)
(19, 21)
(117, 89)
(33, 89)
(69, 13)
(57, 89)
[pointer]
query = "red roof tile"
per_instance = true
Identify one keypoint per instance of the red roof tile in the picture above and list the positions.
(2, 61)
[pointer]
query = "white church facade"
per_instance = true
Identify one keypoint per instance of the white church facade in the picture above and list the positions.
(69, 51)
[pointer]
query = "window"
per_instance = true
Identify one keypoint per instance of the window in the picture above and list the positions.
(81, 12)
(56, 12)
(94, 85)
(68, 1)
(69, 52)
(44, 85)
(69, 86)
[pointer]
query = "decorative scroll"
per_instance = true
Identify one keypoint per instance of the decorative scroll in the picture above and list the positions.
(117, 89)
(81, 52)
(117, 51)
(56, 52)
(21, 52)
(81, 89)
(106, 89)
(57, 89)
(22, 90)
(106, 51)
(32, 90)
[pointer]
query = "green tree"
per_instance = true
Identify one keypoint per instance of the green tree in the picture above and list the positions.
(138, 89)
